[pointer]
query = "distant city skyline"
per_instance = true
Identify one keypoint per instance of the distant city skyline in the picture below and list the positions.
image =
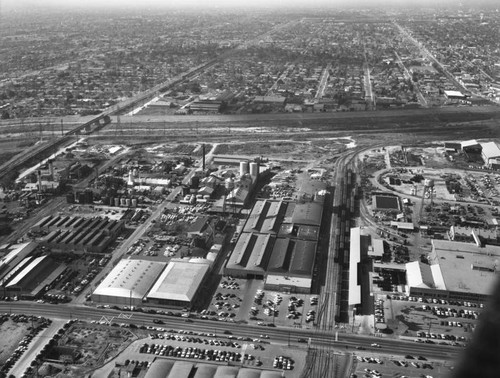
(201, 4)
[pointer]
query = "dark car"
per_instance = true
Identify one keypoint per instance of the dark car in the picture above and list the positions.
(302, 340)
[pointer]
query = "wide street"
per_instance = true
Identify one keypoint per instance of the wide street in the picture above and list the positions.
(342, 341)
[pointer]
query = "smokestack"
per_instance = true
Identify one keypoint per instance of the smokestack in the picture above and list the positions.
(39, 173)
(51, 169)
(203, 150)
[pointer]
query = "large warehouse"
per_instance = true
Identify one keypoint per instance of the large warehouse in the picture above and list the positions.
(12, 254)
(457, 271)
(136, 282)
(29, 278)
(179, 283)
(278, 243)
(128, 283)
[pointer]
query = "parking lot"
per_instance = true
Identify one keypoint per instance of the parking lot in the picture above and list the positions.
(240, 299)
(369, 365)
(220, 348)
(429, 320)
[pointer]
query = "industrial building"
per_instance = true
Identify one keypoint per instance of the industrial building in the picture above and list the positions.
(128, 283)
(179, 283)
(163, 368)
(30, 277)
(363, 252)
(12, 254)
(456, 271)
(136, 282)
(278, 243)
(78, 234)
(490, 154)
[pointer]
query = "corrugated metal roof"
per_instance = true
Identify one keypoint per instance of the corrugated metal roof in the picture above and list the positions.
(181, 369)
(308, 213)
(226, 372)
(278, 261)
(179, 281)
(303, 257)
(159, 369)
(32, 265)
(205, 371)
(130, 279)
(490, 150)
(248, 373)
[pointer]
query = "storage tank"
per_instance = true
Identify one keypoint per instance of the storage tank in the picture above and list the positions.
(429, 183)
(206, 197)
(254, 169)
(127, 202)
(123, 201)
(134, 202)
(117, 201)
(243, 167)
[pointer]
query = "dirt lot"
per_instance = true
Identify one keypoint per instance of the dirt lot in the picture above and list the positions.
(94, 346)
(12, 333)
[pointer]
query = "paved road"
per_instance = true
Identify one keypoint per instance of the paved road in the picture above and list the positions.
(35, 347)
(277, 335)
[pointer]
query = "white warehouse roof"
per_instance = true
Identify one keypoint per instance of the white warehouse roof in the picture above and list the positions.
(32, 265)
(130, 279)
(490, 150)
(179, 281)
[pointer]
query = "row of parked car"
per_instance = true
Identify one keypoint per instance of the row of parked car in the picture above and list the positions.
(39, 324)
(435, 301)
(195, 353)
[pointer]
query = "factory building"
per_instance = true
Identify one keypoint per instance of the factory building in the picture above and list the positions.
(137, 282)
(128, 283)
(179, 283)
(278, 244)
(29, 279)
(12, 254)
(456, 271)
(490, 154)
(77, 234)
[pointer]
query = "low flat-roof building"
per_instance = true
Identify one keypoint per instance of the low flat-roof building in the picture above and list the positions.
(456, 271)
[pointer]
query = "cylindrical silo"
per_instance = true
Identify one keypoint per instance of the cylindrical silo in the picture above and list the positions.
(134, 202)
(243, 167)
(254, 169)
(117, 201)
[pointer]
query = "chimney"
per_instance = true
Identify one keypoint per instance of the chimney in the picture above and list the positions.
(39, 174)
(51, 169)
(203, 150)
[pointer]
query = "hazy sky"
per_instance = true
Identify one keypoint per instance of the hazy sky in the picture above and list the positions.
(12, 4)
